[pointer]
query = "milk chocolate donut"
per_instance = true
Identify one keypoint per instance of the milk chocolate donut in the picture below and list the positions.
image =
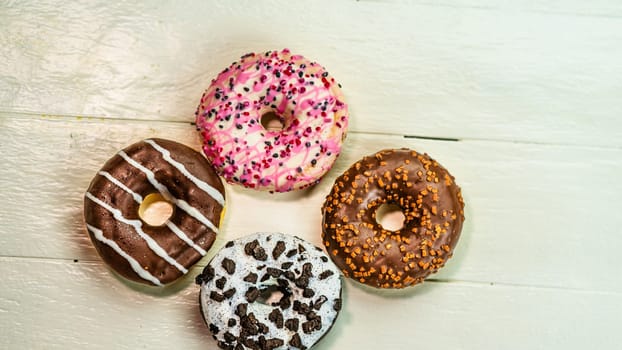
(154, 255)
(432, 205)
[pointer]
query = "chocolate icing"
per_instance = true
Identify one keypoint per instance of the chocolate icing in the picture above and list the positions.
(431, 203)
(181, 187)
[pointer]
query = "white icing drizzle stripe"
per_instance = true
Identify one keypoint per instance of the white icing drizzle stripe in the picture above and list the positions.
(138, 198)
(137, 224)
(214, 193)
(144, 274)
(182, 235)
(183, 205)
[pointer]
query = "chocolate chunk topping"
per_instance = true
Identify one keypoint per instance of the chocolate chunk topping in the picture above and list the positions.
(228, 265)
(301, 248)
(326, 274)
(337, 304)
(289, 275)
(292, 324)
(308, 293)
(285, 303)
(229, 244)
(229, 293)
(324, 259)
(216, 296)
(220, 283)
(252, 294)
(276, 317)
(291, 253)
(251, 277)
(225, 346)
(265, 277)
(213, 328)
(303, 280)
(229, 337)
(279, 248)
(206, 276)
(273, 272)
(255, 250)
(315, 324)
(286, 265)
(239, 347)
(232, 322)
(274, 343)
(240, 310)
(319, 302)
(296, 342)
(250, 324)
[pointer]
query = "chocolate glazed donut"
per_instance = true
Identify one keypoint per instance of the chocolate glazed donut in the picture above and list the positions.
(141, 252)
(432, 205)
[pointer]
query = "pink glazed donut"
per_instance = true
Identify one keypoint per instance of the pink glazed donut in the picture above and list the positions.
(306, 100)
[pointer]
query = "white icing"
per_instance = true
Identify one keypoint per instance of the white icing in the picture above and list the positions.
(183, 205)
(214, 193)
(138, 198)
(182, 235)
(137, 224)
(218, 313)
(144, 274)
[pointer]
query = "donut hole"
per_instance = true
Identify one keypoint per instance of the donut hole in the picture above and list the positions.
(390, 216)
(272, 295)
(155, 210)
(272, 121)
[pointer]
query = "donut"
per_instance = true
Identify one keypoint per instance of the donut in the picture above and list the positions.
(154, 168)
(306, 100)
(433, 210)
(269, 291)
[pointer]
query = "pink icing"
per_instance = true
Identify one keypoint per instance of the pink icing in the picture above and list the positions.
(308, 102)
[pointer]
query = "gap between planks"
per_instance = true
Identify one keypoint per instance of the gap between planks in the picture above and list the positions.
(30, 115)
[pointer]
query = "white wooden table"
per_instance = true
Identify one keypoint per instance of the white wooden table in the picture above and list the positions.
(521, 100)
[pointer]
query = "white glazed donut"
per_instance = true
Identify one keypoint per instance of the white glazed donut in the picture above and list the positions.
(305, 304)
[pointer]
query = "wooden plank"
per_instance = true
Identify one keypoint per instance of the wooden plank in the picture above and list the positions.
(516, 72)
(63, 305)
(536, 214)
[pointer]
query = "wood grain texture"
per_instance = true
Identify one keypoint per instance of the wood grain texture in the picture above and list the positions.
(519, 200)
(467, 72)
(102, 313)
(531, 89)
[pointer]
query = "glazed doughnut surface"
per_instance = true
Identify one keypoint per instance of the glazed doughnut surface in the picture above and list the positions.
(305, 308)
(433, 215)
(306, 99)
(143, 253)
